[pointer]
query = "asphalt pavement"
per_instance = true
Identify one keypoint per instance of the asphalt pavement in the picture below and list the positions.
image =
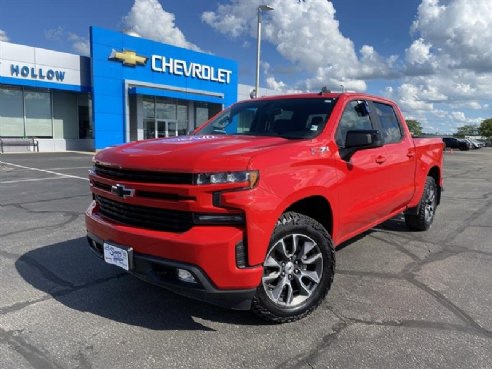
(400, 299)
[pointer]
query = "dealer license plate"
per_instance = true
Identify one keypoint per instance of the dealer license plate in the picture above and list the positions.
(117, 255)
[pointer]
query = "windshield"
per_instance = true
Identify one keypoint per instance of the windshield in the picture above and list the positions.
(289, 118)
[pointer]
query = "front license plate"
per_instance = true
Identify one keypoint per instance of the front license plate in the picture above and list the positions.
(117, 255)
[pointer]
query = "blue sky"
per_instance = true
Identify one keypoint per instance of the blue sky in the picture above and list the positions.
(432, 56)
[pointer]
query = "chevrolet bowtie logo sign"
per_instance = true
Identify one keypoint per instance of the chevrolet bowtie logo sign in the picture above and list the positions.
(128, 57)
(122, 191)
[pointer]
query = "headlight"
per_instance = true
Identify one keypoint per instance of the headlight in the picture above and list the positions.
(250, 178)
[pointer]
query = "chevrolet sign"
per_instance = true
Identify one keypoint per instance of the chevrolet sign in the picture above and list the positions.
(128, 57)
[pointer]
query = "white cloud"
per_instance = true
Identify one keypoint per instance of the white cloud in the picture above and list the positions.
(56, 34)
(459, 116)
(3, 36)
(440, 113)
(410, 98)
(148, 19)
(307, 34)
(419, 52)
(276, 85)
(449, 64)
(472, 105)
(227, 23)
(447, 68)
(80, 44)
(459, 30)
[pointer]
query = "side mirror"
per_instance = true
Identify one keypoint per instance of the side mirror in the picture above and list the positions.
(362, 109)
(360, 140)
(363, 139)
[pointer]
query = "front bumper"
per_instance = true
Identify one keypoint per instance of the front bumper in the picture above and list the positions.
(163, 273)
(208, 252)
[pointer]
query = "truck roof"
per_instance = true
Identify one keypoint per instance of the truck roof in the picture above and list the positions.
(331, 95)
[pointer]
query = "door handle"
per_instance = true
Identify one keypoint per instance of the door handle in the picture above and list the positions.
(380, 159)
(411, 154)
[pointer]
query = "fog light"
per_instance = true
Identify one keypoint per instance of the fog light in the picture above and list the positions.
(186, 276)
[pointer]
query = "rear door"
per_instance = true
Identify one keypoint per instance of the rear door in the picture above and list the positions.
(397, 158)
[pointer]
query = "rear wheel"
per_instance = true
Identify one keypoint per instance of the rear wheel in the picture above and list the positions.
(298, 270)
(422, 220)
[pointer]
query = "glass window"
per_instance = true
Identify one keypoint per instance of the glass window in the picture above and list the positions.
(354, 117)
(389, 123)
(205, 111)
(182, 119)
(288, 118)
(85, 126)
(148, 107)
(165, 109)
(11, 112)
(38, 114)
(201, 114)
(149, 128)
(246, 118)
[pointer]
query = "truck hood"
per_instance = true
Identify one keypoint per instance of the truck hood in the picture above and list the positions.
(205, 153)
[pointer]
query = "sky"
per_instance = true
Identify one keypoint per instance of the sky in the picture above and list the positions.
(433, 57)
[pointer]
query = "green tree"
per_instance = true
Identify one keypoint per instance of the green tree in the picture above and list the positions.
(486, 128)
(415, 127)
(467, 130)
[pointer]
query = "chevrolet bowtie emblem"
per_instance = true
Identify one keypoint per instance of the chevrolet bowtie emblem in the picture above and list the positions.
(122, 191)
(128, 57)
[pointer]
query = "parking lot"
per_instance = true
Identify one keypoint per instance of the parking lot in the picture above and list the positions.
(400, 299)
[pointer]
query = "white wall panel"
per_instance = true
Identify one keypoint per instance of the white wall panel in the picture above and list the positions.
(17, 53)
(13, 58)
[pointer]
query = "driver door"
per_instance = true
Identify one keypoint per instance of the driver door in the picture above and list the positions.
(360, 188)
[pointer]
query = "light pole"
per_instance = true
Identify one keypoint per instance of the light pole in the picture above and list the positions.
(261, 8)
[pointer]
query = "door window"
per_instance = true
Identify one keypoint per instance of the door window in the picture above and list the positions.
(354, 117)
(391, 128)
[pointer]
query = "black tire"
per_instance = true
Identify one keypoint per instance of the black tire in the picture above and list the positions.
(298, 270)
(422, 220)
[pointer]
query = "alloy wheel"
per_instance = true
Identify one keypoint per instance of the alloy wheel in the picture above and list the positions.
(292, 270)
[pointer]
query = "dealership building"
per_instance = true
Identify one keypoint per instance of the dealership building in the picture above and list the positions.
(129, 89)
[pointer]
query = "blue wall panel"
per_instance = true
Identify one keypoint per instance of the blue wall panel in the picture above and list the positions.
(108, 80)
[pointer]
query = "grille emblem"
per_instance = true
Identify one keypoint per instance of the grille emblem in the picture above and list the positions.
(122, 191)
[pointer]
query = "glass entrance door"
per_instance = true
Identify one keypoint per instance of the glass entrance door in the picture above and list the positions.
(165, 117)
(166, 128)
(156, 128)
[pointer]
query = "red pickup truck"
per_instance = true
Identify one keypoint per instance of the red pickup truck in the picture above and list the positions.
(246, 212)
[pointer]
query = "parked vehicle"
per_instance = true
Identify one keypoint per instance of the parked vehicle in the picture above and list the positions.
(456, 143)
(476, 144)
(247, 211)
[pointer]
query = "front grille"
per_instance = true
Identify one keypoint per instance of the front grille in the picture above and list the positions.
(143, 176)
(148, 194)
(145, 217)
(102, 186)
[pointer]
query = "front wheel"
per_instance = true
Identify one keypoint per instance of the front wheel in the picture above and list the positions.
(298, 270)
(422, 220)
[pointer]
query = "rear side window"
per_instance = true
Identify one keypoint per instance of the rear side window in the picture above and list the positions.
(390, 125)
(354, 117)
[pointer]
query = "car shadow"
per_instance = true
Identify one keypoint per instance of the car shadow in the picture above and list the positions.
(395, 224)
(75, 277)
